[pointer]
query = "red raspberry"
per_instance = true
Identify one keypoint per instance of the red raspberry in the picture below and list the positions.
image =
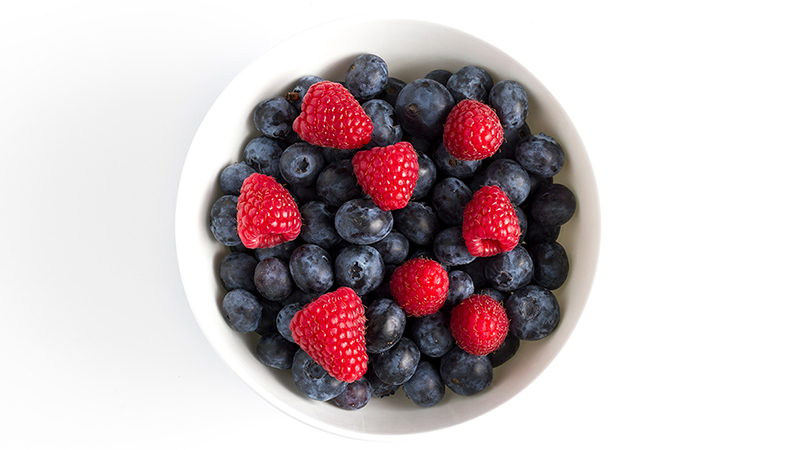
(479, 324)
(472, 131)
(266, 214)
(331, 117)
(388, 174)
(331, 330)
(491, 224)
(420, 286)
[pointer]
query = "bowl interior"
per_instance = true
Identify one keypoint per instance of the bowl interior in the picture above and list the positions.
(411, 49)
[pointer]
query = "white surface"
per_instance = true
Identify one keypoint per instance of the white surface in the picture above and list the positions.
(688, 110)
(228, 127)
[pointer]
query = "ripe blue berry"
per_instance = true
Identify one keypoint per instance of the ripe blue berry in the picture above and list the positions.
(360, 221)
(355, 396)
(551, 264)
(510, 101)
(422, 108)
(465, 374)
(241, 310)
(301, 163)
(432, 334)
(470, 82)
(274, 117)
(236, 271)
(367, 77)
(222, 220)
(425, 388)
(312, 380)
(396, 365)
(275, 351)
(360, 268)
(533, 313)
(540, 155)
(386, 322)
(273, 279)
(511, 270)
(312, 269)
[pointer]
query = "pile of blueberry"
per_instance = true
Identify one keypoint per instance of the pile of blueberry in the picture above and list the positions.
(338, 247)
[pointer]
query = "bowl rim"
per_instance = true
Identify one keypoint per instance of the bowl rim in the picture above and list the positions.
(181, 217)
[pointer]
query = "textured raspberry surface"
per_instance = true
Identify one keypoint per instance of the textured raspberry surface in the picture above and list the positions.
(331, 330)
(419, 286)
(479, 324)
(388, 174)
(266, 214)
(331, 117)
(491, 225)
(472, 131)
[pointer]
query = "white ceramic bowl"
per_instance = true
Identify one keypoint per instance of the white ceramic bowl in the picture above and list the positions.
(411, 49)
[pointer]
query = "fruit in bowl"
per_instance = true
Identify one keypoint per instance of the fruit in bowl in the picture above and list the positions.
(381, 196)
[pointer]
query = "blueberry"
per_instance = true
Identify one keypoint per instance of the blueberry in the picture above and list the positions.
(232, 177)
(533, 313)
(318, 225)
(274, 117)
(281, 251)
(552, 205)
(540, 154)
(422, 108)
(511, 270)
(385, 129)
(295, 96)
(241, 310)
(427, 176)
(450, 166)
(301, 163)
(367, 76)
(273, 279)
(386, 322)
(465, 374)
(461, 287)
(360, 221)
(303, 194)
(264, 154)
(432, 334)
(450, 196)
(337, 183)
(470, 82)
(509, 176)
(506, 351)
(284, 318)
(360, 268)
(425, 388)
(510, 101)
(392, 90)
(275, 351)
(222, 220)
(551, 264)
(236, 271)
(417, 222)
(440, 75)
(397, 364)
(378, 387)
(355, 396)
(312, 380)
(393, 248)
(450, 249)
(312, 269)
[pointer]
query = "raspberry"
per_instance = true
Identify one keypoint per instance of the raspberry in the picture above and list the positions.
(420, 286)
(331, 330)
(331, 117)
(388, 174)
(491, 224)
(266, 214)
(479, 324)
(472, 131)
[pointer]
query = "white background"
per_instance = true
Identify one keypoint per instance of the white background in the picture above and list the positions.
(689, 111)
